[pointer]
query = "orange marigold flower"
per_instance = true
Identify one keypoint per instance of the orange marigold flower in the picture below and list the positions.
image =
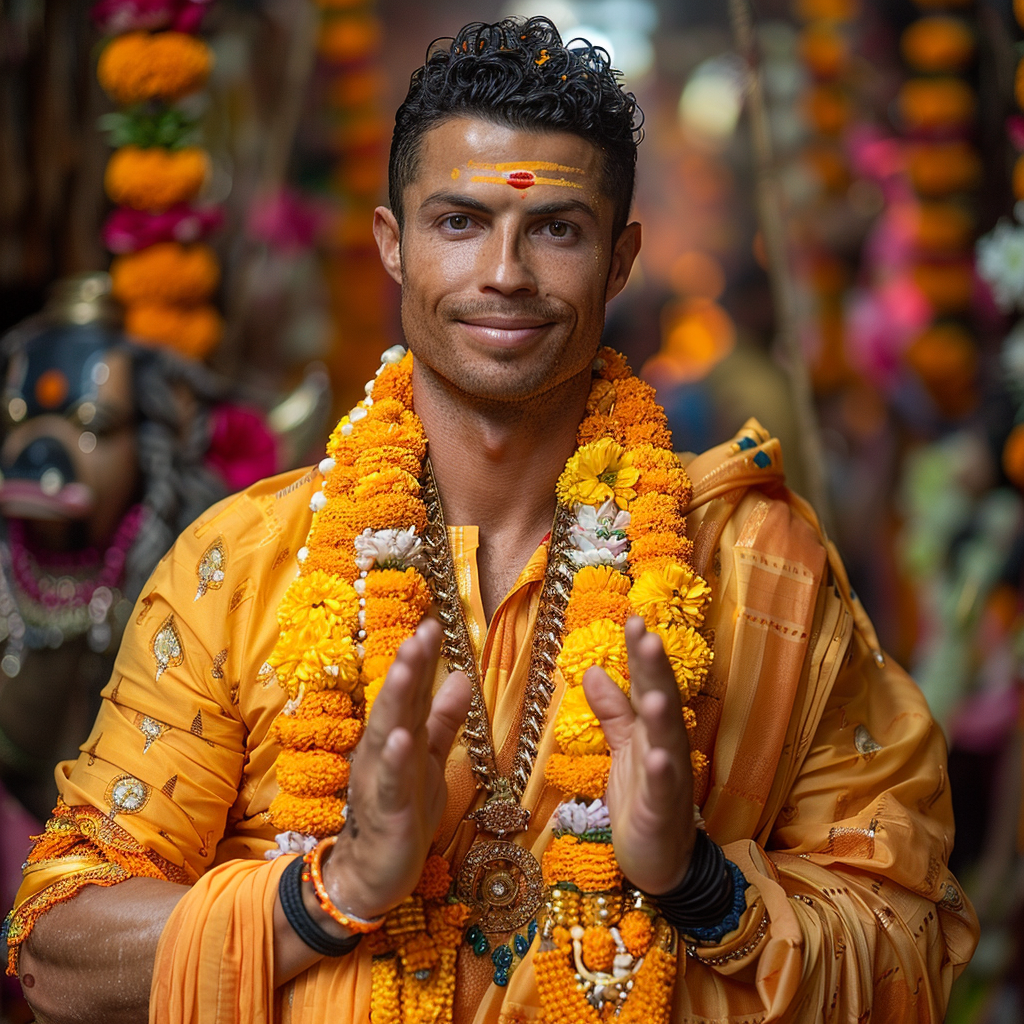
(419, 952)
(562, 1001)
(931, 103)
(657, 545)
(395, 381)
(190, 331)
(598, 948)
(660, 471)
(153, 179)
(938, 43)
(332, 552)
(317, 703)
(311, 772)
(312, 815)
(597, 426)
(406, 434)
(137, 66)
(587, 606)
(386, 481)
(611, 365)
(582, 776)
(332, 733)
(385, 612)
(636, 931)
(647, 433)
(577, 730)
(653, 513)
(165, 273)
(389, 455)
(435, 879)
(340, 481)
(589, 866)
(651, 996)
(635, 399)
(383, 511)
(404, 584)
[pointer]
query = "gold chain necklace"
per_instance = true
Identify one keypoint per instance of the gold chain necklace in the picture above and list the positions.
(499, 880)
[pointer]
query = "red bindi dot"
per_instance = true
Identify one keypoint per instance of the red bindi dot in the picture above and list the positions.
(521, 179)
(28, 981)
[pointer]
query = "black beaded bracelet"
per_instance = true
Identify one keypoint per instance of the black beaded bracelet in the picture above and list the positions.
(290, 891)
(705, 901)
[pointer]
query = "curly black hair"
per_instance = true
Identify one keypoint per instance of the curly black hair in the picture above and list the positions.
(520, 74)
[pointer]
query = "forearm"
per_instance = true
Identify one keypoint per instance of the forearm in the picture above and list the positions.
(91, 958)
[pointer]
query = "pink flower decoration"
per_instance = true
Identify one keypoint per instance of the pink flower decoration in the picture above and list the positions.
(242, 449)
(117, 16)
(285, 221)
(882, 323)
(130, 230)
(1015, 131)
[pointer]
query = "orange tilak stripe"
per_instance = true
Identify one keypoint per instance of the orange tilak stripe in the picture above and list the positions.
(528, 165)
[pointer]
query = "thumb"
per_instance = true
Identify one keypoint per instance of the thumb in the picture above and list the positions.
(611, 705)
(447, 712)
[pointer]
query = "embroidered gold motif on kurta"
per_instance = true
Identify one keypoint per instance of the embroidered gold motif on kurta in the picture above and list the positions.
(210, 569)
(167, 647)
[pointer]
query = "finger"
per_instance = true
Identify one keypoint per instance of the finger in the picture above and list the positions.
(649, 667)
(611, 706)
(662, 722)
(395, 775)
(447, 712)
(403, 699)
(659, 785)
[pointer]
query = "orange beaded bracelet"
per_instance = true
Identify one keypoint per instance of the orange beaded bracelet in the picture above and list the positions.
(313, 873)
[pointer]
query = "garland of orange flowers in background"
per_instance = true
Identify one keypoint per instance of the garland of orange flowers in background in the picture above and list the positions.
(162, 273)
(361, 592)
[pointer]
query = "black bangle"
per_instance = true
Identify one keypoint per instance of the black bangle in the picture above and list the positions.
(706, 899)
(290, 891)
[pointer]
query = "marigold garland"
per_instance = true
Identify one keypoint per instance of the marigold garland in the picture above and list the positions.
(192, 331)
(153, 179)
(140, 66)
(342, 625)
(167, 272)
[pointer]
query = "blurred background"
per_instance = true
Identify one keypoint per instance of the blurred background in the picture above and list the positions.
(832, 194)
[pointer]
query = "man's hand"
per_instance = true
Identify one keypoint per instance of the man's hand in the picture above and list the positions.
(650, 790)
(396, 791)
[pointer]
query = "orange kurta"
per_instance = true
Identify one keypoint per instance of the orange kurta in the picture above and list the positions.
(826, 781)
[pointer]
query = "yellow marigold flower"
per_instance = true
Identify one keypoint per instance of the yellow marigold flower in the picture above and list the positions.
(305, 657)
(600, 643)
(311, 772)
(600, 577)
(577, 730)
(672, 596)
(137, 66)
(599, 948)
(327, 601)
(689, 655)
(598, 472)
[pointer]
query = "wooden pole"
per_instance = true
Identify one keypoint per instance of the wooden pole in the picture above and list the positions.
(773, 232)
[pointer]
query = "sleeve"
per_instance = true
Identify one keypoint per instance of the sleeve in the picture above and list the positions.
(851, 910)
(151, 790)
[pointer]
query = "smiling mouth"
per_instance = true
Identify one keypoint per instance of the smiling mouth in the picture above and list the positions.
(504, 333)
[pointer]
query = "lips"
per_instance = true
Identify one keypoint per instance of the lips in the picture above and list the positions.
(505, 332)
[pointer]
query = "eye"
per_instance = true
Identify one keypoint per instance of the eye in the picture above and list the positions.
(457, 221)
(559, 229)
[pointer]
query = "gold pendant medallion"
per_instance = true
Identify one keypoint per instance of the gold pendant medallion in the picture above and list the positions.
(502, 885)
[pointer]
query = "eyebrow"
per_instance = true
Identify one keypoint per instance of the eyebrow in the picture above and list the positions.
(447, 198)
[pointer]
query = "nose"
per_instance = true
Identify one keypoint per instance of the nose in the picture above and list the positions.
(508, 270)
(45, 459)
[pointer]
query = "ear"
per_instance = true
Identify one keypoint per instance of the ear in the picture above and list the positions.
(626, 249)
(389, 241)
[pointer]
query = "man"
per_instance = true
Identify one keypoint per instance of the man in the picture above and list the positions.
(815, 764)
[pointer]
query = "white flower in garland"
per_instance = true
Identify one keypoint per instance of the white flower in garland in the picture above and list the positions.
(390, 549)
(1001, 264)
(599, 535)
(291, 842)
(580, 818)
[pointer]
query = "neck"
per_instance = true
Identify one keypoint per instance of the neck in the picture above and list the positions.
(496, 466)
(496, 463)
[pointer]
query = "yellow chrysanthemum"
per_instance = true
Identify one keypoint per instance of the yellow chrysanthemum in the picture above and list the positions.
(689, 655)
(596, 578)
(671, 596)
(598, 472)
(327, 602)
(577, 729)
(306, 658)
(600, 643)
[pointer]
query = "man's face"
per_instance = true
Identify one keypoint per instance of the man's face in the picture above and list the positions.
(506, 257)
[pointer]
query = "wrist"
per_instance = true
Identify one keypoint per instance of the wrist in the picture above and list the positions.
(345, 888)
